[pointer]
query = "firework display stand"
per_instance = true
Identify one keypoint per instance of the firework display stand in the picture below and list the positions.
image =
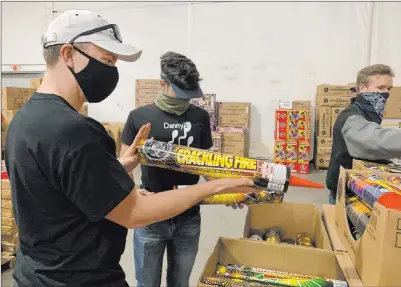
(376, 255)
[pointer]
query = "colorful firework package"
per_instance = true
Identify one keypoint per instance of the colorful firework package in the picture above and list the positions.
(365, 165)
(273, 236)
(272, 277)
(359, 215)
(272, 179)
(304, 239)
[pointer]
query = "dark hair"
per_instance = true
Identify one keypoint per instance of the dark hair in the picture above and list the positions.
(180, 71)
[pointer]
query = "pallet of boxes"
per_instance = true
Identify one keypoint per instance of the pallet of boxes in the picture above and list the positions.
(292, 136)
(9, 229)
(331, 100)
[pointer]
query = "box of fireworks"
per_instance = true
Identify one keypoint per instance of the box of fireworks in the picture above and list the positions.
(322, 161)
(391, 124)
(234, 141)
(237, 115)
(323, 116)
(292, 155)
(244, 262)
(9, 230)
(371, 166)
(329, 219)
(13, 98)
(303, 157)
(7, 221)
(13, 239)
(333, 101)
(7, 212)
(287, 222)
(368, 221)
(298, 127)
(147, 84)
(392, 109)
(35, 83)
(281, 125)
(335, 91)
(280, 151)
(288, 105)
(323, 151)
(216, 138)
(335, 111)
(5, 189)
(324, 142)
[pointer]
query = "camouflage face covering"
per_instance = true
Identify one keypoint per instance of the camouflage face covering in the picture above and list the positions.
(377, 100)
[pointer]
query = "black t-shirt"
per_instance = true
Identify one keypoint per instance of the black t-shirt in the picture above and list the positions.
(65, 179)
(190, 129)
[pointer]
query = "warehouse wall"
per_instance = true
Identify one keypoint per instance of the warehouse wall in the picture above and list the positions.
(255, 52)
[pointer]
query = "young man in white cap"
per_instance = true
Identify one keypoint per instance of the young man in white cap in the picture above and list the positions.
(73, 200)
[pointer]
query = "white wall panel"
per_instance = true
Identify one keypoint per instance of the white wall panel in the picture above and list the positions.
(386, 37)
(155, 28)
(264, 52)
(23, 24)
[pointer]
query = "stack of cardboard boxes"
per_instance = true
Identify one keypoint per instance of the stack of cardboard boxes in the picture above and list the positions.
(9, 230)
(146, 91)
(234, 120)
(292, 138)
(331, 100)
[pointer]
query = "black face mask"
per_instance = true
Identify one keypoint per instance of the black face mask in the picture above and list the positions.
(97, 80)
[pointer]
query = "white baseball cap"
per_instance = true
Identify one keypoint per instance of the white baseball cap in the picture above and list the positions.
(81, 26)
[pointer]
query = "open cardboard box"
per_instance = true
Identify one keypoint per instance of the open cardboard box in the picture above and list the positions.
(329, 219)
(290, 219)
(376, 255)
(288, 258)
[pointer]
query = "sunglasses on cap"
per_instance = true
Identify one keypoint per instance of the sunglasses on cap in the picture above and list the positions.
(113, 27)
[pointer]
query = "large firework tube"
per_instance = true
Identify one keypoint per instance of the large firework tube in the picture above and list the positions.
(228, 282)
(267, 176)
(366, 189)
(267, 277)
(358, 213)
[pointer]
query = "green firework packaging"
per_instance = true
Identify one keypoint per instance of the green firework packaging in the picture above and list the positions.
(272, 277)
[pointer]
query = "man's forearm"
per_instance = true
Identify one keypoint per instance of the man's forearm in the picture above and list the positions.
(165, 205)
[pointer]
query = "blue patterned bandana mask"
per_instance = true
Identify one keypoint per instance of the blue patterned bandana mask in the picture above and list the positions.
(377, 100)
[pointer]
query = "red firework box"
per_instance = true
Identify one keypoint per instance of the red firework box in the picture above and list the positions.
(292, 155)
(281, 125)
(280, 152)
(303, 157)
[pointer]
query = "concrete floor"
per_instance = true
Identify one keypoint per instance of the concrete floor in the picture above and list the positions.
(216, 221)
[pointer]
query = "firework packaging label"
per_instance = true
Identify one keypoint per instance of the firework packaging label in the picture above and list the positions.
(290, 219)
(287, 265)
(376, 255)
(274, 179)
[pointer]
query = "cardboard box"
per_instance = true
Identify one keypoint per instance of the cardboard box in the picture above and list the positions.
(335, 91)
(376, 255)
(324, 142)
(293, 259)
(232, 114)
(329, 219)
(322, 161)
(7, 221)
(335, 112)
(7, 212)
(333, 101)
(13, 239)
(292, 155)
(280, 151)
(13, 98)
(281, 125)
(145, 97)
(235, 142)
(35, 83)
(8, 115)
(9, 247)
(115, 130)
(147, 84)
(393, 105)
(290, 219)
(9, 230)
(298, 105)
(325, 151)
(323, 121)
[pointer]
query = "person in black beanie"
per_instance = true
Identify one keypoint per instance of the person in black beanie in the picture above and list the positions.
(357, 132)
